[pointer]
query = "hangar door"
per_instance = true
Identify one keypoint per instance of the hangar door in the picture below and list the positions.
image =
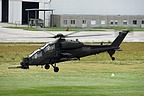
(29, 5)
(5, 4)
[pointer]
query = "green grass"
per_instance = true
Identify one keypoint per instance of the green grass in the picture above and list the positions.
(52, 28)
(89, 77)
(117, 28)
(24, 28)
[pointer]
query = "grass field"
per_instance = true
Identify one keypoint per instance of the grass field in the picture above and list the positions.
(89, 77)
(117, 28)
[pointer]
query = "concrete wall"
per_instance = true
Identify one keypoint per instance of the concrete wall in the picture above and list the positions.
(100, 20)
(55, 20)
(0, 10)
(15, 11)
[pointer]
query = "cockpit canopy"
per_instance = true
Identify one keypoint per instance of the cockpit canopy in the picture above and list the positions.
(39, 53)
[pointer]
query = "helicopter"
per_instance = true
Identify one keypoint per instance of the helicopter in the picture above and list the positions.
(63, 49)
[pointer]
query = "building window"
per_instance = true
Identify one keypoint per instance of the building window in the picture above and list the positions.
(116, 22)
(112, 22)
(65, 22)
(93, 22)
(142, 22)
(103, 22)
(73, 22)
(134, 22)
(83, 21)
(125, 22)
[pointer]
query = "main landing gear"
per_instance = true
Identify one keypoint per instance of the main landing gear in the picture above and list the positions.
(56, 69)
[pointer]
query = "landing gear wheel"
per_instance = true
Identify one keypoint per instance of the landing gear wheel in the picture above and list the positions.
(113, 58)
(47, 66)
(56, 69)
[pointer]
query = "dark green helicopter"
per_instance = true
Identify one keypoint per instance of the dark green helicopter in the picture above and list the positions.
(65, 50)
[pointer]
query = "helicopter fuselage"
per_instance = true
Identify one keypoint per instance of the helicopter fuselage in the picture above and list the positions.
(63, 50)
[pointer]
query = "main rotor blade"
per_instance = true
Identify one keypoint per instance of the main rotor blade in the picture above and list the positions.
(42, 29)
(40, 37)
(90, 35)
(87, 28)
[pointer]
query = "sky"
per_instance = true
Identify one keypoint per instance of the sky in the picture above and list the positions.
(99, 7)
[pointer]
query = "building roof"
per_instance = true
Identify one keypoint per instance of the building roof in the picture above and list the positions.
(39, 9)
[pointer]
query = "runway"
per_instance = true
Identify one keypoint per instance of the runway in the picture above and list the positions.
(19, 35)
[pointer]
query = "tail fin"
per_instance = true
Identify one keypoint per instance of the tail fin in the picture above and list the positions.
(119, 38)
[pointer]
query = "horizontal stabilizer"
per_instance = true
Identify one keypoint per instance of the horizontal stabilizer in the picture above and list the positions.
(66, 54)
(118, 50)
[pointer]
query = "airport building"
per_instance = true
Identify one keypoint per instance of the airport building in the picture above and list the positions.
(98, 20)
(14, 11)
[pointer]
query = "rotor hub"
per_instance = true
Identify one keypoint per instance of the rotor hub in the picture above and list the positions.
(59, 36)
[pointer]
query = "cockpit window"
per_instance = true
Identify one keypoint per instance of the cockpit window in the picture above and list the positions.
(48, 47)
(36, 54)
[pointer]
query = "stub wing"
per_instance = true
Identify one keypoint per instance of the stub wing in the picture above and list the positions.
(66, 54)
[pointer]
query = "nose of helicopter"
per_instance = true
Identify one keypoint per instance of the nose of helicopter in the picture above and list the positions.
(24, 63)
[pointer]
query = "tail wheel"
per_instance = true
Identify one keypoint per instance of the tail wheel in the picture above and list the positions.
(56, 69)
(111, 52)
(113, 58)
(47, 66)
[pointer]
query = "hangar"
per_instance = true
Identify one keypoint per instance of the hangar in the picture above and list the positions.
(14, 11)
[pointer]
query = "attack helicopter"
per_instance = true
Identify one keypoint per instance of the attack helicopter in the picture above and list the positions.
(63, 49)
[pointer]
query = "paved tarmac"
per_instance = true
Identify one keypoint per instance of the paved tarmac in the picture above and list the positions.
(19, 35)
